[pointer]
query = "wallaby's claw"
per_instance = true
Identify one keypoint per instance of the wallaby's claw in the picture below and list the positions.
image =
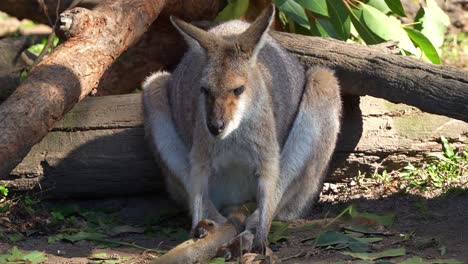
(259, 246)
(203, 228)
(237, 246)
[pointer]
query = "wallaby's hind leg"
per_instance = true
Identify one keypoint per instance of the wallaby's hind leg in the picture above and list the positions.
(308, 149)
(310, 144)
(167, 145)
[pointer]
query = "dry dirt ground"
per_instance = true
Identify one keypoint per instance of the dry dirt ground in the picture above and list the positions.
(435, 224)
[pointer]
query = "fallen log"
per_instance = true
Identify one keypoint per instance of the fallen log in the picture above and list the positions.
(95, 38)
(98, 148)
(362, 70)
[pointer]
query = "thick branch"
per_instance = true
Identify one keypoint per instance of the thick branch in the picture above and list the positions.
(96, 38)
(364, 70)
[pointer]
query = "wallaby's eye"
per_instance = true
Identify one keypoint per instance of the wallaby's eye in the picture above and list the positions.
(204, 90)
(238, 91)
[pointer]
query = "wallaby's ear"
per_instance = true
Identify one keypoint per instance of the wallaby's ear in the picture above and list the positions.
(252, 40)
(194, 35)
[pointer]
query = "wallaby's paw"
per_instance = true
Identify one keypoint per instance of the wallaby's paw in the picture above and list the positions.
(236, 247)
(259, 245)
(203, 228)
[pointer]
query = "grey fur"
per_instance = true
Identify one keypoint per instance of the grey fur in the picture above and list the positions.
(278, 152)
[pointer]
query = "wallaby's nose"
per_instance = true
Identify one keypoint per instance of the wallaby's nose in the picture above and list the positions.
(216, 127)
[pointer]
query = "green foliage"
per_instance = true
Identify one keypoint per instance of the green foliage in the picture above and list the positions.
(3, 191)
(17, 256)
(36, 49)
(368, 21)
(394, 252)
(278, 231)
(443, 169)
(234, 9)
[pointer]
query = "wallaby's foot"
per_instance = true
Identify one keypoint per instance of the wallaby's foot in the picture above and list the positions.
(203, 228)
(259, 245)
(237, 247)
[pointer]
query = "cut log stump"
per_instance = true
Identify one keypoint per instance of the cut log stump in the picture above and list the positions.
(98, 149)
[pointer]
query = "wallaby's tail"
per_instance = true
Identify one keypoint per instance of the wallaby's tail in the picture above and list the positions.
(323, 90)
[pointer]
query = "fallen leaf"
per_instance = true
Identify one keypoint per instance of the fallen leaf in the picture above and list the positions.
(394, 252)
(419, 260)
(19, 257)
(278, 231)
(117, 230)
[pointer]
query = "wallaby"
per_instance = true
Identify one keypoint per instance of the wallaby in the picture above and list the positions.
(241, 120)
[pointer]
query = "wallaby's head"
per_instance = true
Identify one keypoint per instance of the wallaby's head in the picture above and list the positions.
(228, 79)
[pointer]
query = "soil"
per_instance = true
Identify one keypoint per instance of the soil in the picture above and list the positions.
(436, 222)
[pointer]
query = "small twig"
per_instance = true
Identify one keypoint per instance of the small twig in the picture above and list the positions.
(46, 11)
(129, 245)
(298, 255)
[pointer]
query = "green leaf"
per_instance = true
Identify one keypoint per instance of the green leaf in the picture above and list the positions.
(3, 190)
(364, 32)
(83, 236)
(123, 229)
(380, 5)
(316, 6)
(396, 7)
(18, 257)
(395, 252)
(233, 10)
(339, 18)
(292, 9)
(385, 220)
(448, 151)
(306, 228)
(424, 44)
(433, 23)
(322, 27)
(278, 231)
(369, 239)
(419, 260)
(217, 261)
(337, 240)
(387, 28)
(35, 257)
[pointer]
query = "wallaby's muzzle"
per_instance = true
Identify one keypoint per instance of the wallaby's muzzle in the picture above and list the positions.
(216, 126)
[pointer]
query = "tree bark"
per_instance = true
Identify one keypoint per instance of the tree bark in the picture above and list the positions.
(364, 70)
(99, 146)
(95, 39)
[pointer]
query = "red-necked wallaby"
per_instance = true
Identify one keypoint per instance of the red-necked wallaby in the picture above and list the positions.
(241, 120)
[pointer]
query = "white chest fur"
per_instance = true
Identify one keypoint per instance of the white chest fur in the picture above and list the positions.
(233, 180)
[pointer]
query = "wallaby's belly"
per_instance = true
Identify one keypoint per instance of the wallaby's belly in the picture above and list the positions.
(233, 181)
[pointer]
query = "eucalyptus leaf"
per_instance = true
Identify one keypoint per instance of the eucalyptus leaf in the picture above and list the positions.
(385, 220)
(83, 236)
(388, 28)
(364, 32)
(395, 252)
(233, 10)
(380, 5)
(278, 231)
(318, 7)
(322, 27)
(292, 9)
(339, 18)
(396, 7)
(433, 23)
(19, 257)
(419, 260)
(424, 44)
